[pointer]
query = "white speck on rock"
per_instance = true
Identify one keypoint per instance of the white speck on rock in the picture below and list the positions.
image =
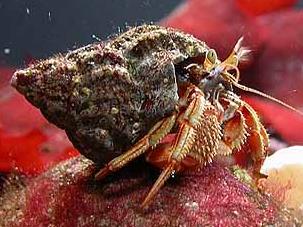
(192, 205)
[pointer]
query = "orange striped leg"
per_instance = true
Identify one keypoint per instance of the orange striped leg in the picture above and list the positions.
(182, 144)
(161, 129)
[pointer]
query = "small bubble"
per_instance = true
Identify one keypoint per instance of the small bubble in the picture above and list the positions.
(49, 16)
(27, 11)
(7, 51)
(96, 37)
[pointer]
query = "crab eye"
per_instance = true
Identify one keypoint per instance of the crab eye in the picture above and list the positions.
(212, 56)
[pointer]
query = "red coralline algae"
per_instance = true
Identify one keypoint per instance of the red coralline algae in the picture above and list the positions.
(208, 20)
(17, 117)
(67, 196)
(28, 143)
(278, 70)
(257, 7)
(33, 152)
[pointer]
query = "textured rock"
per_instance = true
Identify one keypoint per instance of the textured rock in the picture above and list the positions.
(67, 196)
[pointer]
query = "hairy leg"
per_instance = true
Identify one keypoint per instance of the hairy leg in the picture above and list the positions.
(183, 141)
(161, 129)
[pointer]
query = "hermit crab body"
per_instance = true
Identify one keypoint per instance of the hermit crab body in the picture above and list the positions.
(118, 99)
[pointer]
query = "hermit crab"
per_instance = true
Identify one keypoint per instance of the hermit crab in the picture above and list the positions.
(119, 98)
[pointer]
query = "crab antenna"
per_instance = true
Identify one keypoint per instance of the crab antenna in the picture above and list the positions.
(238, 44)
(238, 54)
(233, 58)
(232, 62)
(235, 77)
(244, 88)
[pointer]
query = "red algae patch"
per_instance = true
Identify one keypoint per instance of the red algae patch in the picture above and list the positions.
(67, 196)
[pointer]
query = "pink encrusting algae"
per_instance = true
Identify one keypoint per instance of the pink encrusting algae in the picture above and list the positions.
(67, 196)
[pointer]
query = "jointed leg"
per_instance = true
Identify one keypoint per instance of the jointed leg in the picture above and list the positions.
(159, 183)
(182, 144)
(235, 127)
(258, 153)
(257, 140)
(161, 129)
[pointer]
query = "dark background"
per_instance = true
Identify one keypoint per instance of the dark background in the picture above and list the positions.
(39, 28)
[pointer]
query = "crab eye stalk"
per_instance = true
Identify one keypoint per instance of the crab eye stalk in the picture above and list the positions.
(212, 56)
(210, 59)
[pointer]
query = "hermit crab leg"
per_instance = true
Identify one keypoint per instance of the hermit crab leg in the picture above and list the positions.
(258, 140)
(235, 128)
(166, 173)
(161, 129)
(244, 128)
(190, 120)
(184, 140)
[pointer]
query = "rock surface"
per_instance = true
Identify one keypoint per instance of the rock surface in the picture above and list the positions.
(67, 196)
